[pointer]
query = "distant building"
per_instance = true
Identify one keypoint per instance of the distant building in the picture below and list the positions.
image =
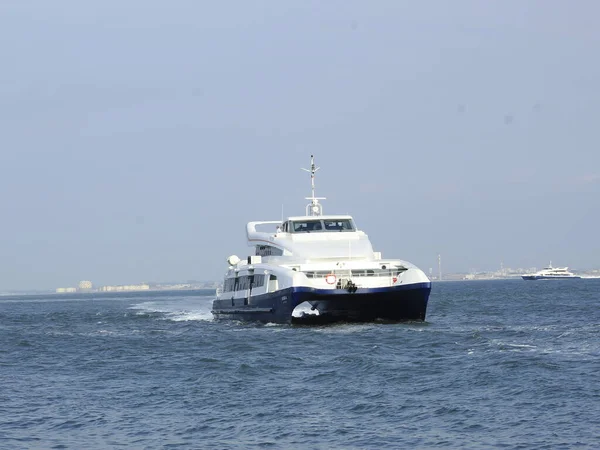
(128, 287)
(64, 290)
(85, 285)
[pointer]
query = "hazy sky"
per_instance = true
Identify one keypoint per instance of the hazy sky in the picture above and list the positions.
(139, 137)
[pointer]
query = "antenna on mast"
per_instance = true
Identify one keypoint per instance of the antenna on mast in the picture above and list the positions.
(314, 208)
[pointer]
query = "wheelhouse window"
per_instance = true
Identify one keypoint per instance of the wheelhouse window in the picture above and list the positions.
(306, 226)
(312, 225)
(338, 225)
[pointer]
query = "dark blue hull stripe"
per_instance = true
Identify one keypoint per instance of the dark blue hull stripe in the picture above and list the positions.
(395, 303)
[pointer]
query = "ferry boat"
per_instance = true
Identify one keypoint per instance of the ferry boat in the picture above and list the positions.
(551, 273)
(318, 268)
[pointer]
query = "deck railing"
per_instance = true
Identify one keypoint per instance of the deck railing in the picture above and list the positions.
(356, 273)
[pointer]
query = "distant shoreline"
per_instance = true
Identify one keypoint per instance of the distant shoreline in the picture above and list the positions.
(91, 294)
(211, 286)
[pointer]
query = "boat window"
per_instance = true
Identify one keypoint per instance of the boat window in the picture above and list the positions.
(306, 226)
(273, 284)
(267, 250)
(243, 282)
(259, 280)
(338, 225)
(228, 285)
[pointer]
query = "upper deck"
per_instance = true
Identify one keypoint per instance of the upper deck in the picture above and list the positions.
(312, 236)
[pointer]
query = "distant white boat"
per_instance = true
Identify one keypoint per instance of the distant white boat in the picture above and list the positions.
(551, 273)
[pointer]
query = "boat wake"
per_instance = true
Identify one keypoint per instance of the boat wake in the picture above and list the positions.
(178, 309)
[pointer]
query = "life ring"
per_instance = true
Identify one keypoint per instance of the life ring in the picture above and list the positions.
(330, 278)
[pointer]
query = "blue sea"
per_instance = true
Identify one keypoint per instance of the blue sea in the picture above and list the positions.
(498, 364)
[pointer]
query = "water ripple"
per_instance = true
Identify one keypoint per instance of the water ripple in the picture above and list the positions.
(496, 365)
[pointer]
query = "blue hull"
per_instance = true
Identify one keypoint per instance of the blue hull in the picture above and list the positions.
(394, 304)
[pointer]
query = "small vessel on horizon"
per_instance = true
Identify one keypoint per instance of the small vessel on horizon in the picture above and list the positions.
(325, 265)
(551, 273)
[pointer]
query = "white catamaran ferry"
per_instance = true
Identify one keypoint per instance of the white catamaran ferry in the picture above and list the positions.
(324, 263)
(551, 273)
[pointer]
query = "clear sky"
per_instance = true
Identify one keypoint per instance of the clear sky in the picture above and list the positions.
(137, 138)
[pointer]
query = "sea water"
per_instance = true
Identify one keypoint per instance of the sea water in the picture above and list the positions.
(497, 364)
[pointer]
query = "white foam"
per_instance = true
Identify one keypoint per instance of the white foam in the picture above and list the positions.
(304, 308)
(182, 316)
(178, 309)
(520, 345)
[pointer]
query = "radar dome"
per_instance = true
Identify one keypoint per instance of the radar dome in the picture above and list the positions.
(233, 260)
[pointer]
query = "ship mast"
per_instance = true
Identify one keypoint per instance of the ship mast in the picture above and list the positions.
(314, 208)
